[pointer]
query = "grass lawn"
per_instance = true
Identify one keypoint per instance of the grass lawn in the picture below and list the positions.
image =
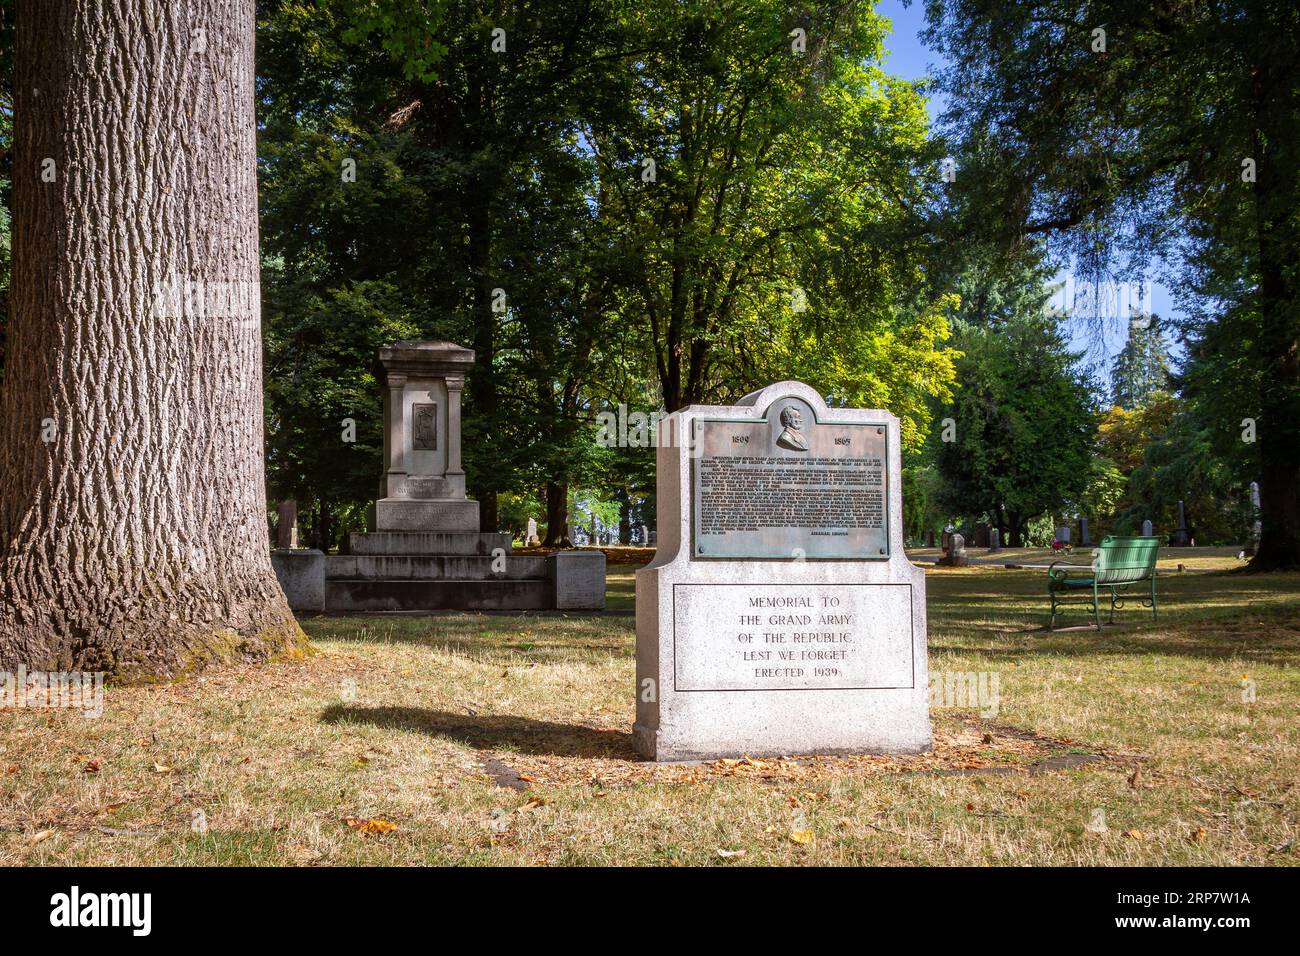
(506, 740)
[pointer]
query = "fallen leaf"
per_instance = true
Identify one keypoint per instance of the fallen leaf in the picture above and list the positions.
(1133, 777)
(532, 804)
(802, 837)
(39, 837)
(1198, 835)
(92, 766)
(729, 854)
(161, 768)
(371, 826)
(1135, 834)
(12, 768)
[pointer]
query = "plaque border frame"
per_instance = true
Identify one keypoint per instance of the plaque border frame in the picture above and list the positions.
(415, 417)
(696, 555)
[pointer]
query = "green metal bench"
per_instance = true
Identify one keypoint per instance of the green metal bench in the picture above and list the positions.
(1119, 564)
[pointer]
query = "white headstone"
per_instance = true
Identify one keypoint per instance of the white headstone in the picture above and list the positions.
(1146, 528)
(1063, 534)
(530, 538)
(777, 618)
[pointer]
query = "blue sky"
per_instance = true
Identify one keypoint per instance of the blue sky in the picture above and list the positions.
(909, 58)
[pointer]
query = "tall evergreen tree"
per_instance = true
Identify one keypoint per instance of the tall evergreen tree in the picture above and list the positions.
(1142, 367)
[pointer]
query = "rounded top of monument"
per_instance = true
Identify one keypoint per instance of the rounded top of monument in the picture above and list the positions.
(426, 355)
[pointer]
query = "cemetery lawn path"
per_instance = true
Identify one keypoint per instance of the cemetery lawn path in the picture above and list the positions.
(475, 739)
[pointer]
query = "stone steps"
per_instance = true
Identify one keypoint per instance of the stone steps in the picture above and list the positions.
(448, 595)
(437, 567)
(427, 542)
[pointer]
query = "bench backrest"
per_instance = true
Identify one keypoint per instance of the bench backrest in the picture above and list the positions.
(1124, 560)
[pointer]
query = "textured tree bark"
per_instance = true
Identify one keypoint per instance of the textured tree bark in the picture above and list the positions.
(132, 503)
(1277, 344)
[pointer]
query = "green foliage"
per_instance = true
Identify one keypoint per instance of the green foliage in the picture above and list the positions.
(1024, 425)
(498, 202)
(765, 247)
(1040, 532)
(1182, 465)
(320, 352)
(921, 512)
(406, 30)
(1104, 491)
(1174, 137)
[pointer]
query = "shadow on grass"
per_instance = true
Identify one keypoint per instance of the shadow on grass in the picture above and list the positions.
(497, 640)
(1271, 636)
(501, 732)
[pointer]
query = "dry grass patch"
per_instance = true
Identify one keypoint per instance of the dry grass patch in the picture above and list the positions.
(477, 739)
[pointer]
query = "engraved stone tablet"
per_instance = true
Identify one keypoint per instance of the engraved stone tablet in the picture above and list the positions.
(778, 616)
(792, 637)
(424, 426)
(789, 486)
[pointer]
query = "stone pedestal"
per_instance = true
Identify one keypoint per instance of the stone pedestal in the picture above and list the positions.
(302, 577)
(782, 619)
(423, 485)
(425, 551)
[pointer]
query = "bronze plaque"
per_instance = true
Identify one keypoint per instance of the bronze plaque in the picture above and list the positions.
(424, 426)
(788, 486)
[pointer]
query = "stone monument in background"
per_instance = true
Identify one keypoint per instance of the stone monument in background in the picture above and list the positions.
(286, 526)
(1182, 536)
(954, 551)
(424, 551)
(780, 614)
(423, 484)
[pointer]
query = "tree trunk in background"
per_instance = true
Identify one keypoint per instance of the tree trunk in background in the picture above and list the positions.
(624, 516)
(483, 385)
(1015, 527)
(557, 515)
(133, 518)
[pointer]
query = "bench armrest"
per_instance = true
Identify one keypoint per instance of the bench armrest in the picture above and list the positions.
(1059, 570)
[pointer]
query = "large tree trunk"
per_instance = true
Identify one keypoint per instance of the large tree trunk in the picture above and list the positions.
(1277, 344)
(133, 512)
